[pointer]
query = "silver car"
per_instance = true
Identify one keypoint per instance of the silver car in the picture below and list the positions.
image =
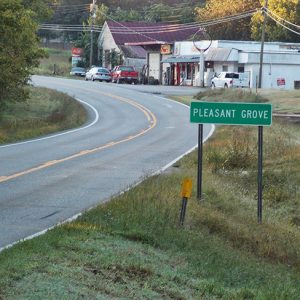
(77, 71)
(98, 73)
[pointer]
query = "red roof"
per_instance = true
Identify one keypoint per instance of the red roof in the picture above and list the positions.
(141, 33)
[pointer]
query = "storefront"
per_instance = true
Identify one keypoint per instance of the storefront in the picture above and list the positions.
(181, 70)
(280, 68)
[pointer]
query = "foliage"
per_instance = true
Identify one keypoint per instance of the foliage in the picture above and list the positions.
(57, 62)
(19, 51)
(235, 30)
(115, 58)
(125, 15)
(240, 30)
(167, 13)
(158, 13)
(84, 38)
(286, 9)
(101, 15)
(41, 8)
(238, 152)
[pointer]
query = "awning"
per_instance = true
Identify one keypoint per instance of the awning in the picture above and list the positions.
(212, 54)
(181, 59)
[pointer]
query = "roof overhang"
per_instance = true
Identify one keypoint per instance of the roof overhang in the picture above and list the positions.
(181, 59)
(145, 43)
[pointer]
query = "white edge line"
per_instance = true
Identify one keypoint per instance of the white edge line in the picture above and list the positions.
(62, 133)
(73, 218)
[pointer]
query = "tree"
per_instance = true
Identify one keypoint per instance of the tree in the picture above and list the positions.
(19, 51)
(101, 15)
(285, 9)
(158, 13)
(41, 8)
(236, 29)
(125, 15)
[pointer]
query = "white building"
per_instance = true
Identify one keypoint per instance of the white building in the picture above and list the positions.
(281, 62)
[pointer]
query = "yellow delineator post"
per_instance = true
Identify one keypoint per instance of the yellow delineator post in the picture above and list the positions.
(186, 192)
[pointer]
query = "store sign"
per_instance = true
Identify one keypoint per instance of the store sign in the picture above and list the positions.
(77, 51)
(77, 55)
(75, 60)
(165, 49)
(280, 81)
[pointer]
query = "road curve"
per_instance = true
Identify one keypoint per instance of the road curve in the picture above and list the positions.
(129, 135)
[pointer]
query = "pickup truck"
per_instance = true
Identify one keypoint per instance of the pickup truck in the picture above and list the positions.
(126, 74)
(230, 79)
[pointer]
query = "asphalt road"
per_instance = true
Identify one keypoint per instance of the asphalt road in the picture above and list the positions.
(132, 132)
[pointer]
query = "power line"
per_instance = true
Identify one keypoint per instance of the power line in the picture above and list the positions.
(247, 13)
(281, 24)
(178, 27)
(66, 11)
(286, 21)
(77, 28)
(67, 5)
(71, 26)
(144, 30)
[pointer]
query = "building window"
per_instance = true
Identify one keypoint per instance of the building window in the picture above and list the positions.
(297, 85)
(209, 64)
(224, 68)
(241, 69)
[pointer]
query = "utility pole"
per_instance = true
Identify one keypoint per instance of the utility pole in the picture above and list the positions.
(262, 44)
(93, 15)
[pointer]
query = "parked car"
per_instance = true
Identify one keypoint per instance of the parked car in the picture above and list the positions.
(77, 71)
(98, 73)
(126, 74)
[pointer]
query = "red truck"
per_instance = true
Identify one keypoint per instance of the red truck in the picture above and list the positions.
(126, 74)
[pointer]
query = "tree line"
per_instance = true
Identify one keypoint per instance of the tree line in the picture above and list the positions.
(19, 20)
(187, 11)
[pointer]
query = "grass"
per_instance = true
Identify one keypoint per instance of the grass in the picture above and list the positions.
(283, 100)
(132, 247)
(57, 63)
(46, 111)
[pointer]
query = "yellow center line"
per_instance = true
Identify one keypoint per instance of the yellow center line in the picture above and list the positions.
(150, 118)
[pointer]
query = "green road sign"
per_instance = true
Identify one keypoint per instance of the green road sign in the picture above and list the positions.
(231, 113)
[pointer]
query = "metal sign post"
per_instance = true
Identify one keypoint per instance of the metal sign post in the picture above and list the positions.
(232, 113)
(260, 174)
(200, 158)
